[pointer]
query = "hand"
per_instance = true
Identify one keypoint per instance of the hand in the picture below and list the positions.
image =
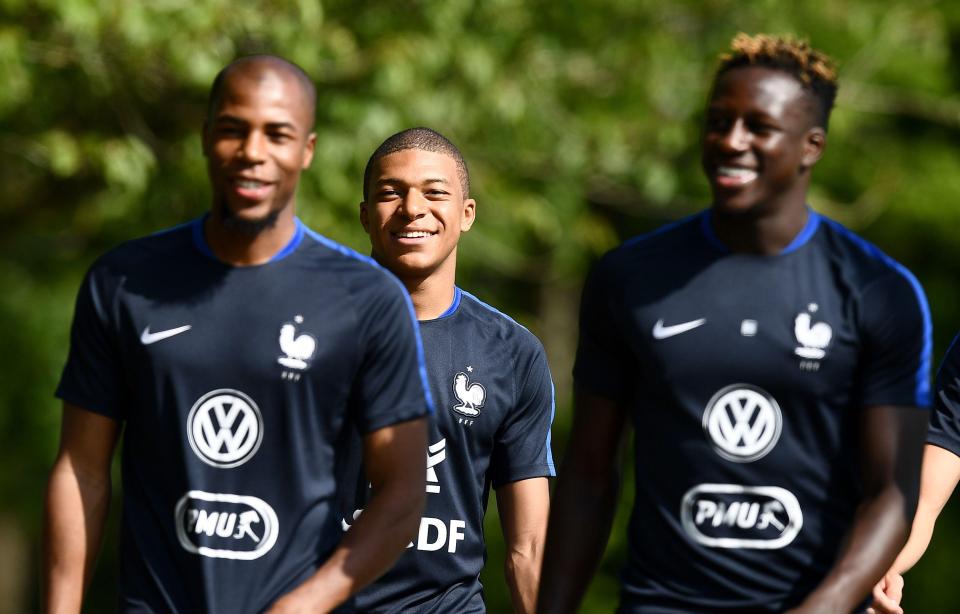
(887, 595)
(293, 603)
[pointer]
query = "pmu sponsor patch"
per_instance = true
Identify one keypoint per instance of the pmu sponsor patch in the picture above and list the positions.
(225, 526)
(734, 516)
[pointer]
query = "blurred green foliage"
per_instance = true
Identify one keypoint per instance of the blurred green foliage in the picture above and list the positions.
(580, 122)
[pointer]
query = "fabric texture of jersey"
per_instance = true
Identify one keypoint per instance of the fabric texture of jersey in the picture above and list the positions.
(945, 419)
(238, 387)
(744, 376)
(494, 399)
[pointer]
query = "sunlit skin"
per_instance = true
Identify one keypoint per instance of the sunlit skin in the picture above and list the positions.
(415, 213)
(257, 142)
(760, 142)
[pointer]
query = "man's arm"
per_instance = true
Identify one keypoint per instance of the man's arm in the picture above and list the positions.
(524, 507)
(395, 462)
(584, 502)
(891, 453)
(938, 478)
(78, 497)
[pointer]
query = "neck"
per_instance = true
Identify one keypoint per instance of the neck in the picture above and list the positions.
(431, 295)
(239, 248)
(766, 232)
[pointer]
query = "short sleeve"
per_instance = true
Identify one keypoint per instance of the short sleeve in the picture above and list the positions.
(522, 448)
(897, 339)
(945, 418)
(602, 357)
(93, 376)
(391, 385)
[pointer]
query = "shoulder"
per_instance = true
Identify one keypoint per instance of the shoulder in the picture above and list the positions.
(142, 255)
(863, 263)
(493, 323)
(361, 275)
(670, 240)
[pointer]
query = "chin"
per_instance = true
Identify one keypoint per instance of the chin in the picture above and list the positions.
(249, 220)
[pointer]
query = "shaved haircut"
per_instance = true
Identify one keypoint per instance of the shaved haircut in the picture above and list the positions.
(423, 139)
(264, 63)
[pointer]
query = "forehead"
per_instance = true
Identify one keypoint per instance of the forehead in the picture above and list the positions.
(263, 94)
(759, 89)
(416, 165)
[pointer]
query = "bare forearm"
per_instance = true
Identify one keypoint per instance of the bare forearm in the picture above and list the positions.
(581, 516)
(522, 569)
(74, 514)
(369, 548)
(880, 529)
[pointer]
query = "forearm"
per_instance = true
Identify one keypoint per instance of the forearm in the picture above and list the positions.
(377, 537)
(74, 514)
(880, 529)
(522, 570)
(582, 513)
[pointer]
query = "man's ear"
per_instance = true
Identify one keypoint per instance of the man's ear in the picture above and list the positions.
(310, 146)
(364, 216)
(814, 142)
(468, 215)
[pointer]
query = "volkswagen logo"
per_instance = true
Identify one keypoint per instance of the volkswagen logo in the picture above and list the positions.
(743, 422)
(225, 428)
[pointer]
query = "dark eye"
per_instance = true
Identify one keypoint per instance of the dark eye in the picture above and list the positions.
(279, 137)
(230, 131)
(717, 123)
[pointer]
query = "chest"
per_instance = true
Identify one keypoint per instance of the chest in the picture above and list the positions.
(789, 327)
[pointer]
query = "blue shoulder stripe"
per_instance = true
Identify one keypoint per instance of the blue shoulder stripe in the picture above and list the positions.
(922, 392)
(421, 361)
(553, 400)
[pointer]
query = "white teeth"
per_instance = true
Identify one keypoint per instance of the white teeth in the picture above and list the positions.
(744, 174)
(250, 184)
(419, 234)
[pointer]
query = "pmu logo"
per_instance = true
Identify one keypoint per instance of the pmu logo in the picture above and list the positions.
(734, 516)
(225, 526)
(743, 422)
(225, 428)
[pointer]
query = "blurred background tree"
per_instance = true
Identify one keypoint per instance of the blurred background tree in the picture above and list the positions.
(580, 122)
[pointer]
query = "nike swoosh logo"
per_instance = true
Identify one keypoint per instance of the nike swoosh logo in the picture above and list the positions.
(662, 332)
(147, 337)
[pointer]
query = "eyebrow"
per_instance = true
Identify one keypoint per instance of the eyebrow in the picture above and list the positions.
(230, 119)
(389, 180)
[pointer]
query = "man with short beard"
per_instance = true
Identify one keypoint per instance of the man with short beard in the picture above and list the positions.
(237, 351)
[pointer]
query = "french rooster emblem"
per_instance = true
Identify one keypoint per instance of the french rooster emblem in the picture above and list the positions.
(471, 396)
(298, 348)
(813, 338)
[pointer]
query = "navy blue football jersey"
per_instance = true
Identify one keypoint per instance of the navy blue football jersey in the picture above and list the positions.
(744, 376)
(494, 396)
(238, 388)
(945, 419)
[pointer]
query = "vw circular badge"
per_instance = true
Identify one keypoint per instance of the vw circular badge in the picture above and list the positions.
(743, 422)
(225, 428)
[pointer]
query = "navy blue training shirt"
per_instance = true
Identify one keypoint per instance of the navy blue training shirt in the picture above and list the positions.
(494, 399)
(945, 419)
(744, 376)
(238, 387)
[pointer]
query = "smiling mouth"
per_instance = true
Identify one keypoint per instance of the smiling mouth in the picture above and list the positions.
(734, 176)
(413, 234)
(251, 189)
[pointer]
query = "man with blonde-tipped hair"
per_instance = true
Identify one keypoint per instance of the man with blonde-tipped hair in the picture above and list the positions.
(771, 363)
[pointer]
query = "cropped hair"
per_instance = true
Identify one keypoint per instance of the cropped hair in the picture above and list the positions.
(424, 139)
(814, 70)
(274, 62)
